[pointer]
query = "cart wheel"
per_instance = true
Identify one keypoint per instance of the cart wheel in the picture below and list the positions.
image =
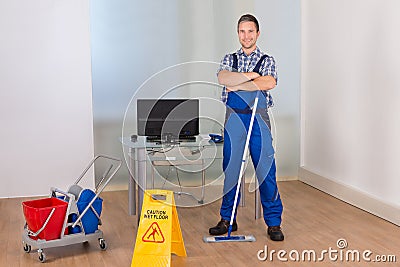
(103, 244)
(27, 248)
(42, 256)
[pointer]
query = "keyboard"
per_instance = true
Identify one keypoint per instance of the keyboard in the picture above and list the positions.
(187, 138)
(183, 138)
(153, 139)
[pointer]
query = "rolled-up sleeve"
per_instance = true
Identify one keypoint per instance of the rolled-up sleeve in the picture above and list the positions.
(226, 63)
(269, 68)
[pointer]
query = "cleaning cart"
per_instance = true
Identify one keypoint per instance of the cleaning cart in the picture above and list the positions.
(67, 218)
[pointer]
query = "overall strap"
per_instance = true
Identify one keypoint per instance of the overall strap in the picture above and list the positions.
(256, 68)
(235, 63)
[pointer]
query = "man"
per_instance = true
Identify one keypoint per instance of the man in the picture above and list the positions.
(243, 74)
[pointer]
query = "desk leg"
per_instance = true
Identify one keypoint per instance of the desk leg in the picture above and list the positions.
(257, 205)
(203, 182)
(142, 178)
(242, 192)
(132, 183)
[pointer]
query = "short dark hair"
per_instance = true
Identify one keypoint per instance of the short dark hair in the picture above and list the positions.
(248, 17)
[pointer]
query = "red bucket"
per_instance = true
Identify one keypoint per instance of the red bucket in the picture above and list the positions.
(36, 213)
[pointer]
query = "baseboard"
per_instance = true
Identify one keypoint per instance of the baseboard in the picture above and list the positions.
(116, 187)
(352, 196)
(286, 178)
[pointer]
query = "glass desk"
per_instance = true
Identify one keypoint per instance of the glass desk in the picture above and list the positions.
(140, 154)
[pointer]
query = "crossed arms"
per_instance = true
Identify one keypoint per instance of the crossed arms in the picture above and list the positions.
(247, 81)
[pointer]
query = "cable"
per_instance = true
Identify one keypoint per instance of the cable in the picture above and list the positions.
(162, 150)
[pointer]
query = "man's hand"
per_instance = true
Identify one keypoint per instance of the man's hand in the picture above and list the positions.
(260, 83)
(229, 78)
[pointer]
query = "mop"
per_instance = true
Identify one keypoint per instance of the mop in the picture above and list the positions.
(238, 238)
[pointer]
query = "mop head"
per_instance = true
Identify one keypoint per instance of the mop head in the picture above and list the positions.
(234, 238)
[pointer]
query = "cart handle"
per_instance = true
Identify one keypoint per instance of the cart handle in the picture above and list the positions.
(103, 185)
(92, 162)
(104, 177)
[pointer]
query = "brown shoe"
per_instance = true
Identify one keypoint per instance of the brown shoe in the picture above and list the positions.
(222, 227)
(275, 233)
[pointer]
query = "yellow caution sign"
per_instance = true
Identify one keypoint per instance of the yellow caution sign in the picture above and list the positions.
(159, 232)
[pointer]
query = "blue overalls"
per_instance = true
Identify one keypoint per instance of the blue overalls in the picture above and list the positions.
(237, 120)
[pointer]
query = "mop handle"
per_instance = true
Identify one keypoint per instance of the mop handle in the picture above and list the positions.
(246, 148)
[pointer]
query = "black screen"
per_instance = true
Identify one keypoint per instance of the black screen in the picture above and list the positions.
(176, 117)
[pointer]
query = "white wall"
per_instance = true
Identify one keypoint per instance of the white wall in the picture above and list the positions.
(350, 94)
(45, 95)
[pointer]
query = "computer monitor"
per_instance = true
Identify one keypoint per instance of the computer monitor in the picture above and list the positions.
(178, 118)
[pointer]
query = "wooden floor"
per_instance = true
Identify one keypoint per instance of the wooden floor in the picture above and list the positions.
(312, 220)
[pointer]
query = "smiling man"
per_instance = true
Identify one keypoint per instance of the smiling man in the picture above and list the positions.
(243, 74)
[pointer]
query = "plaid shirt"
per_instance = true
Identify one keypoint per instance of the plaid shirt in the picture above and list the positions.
(246, 63)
